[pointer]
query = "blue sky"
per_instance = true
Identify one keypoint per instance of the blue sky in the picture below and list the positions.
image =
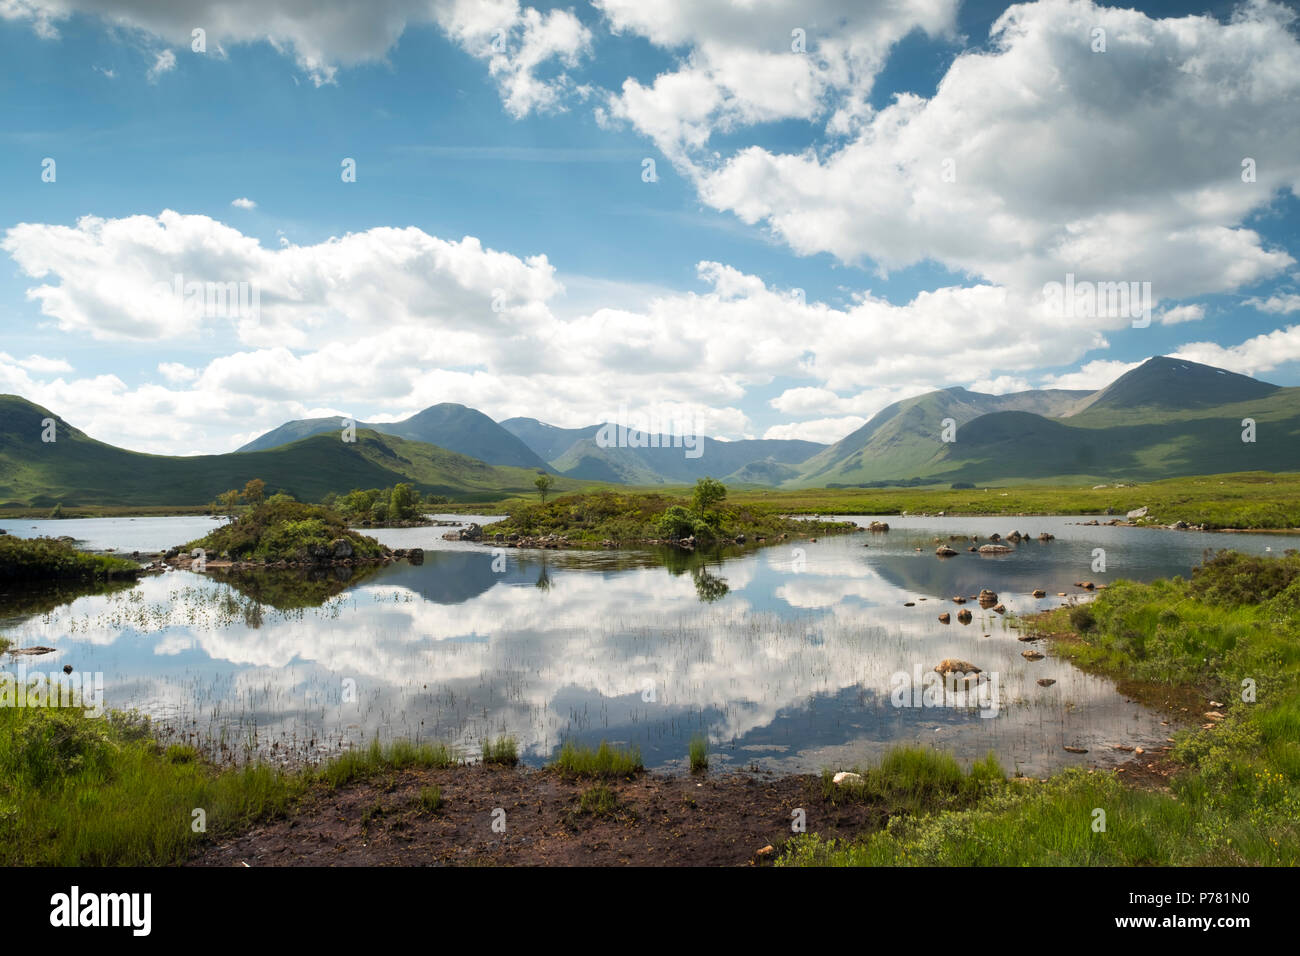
(1119, 169)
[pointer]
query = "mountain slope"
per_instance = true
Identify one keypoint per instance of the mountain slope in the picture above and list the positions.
(77, 469)
(448, 425)
(905, 439)
(1163, 419)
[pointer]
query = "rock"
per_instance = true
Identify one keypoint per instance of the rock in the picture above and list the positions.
(1015, 537)
(964, 616)
(1075, 750)
(1046, 537)
(415, 555)
(944, 551)
(988, 598)
(995, 536)
(958, 599)
(1046, 681)
(1032, 655)
(845, 776)
(878, 526)
(1214, 715)
(67, 668)
(945, 617)
(765, 852)
(342, 547)
(1039, 592)
(1000, 608)
(740, 539)
(1137, 513)
(995, 549)
(950, 665)
(909, 604)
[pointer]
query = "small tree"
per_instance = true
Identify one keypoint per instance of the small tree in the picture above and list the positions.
(228, 501)
(401, 502)
(255, 491)
(543, 483)
(709, 493)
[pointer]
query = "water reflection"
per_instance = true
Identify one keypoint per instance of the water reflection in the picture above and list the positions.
(785, 656)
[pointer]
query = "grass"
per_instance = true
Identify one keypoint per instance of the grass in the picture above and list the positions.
(503, 751)
(430, 799)
(78, 791)
(599, 801)
(698, 750)
(1229, 634)
(604, 761)
(1247, 500)
(48, 559)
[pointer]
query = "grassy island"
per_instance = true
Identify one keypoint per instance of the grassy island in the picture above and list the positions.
(51, 559)
(626, 518)
(281, 529)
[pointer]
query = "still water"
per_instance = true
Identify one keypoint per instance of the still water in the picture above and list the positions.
(785, 656)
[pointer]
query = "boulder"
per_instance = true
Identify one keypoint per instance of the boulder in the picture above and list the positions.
(877, 526)
(988, 598)
(945, 617)
(1032, 655)
(1136, 513)
(844, 776)
(472, 532)
(1046, 681)
(342, 547)
(415, 555)
(944, 551)
(995, 549)
(964, 616)
(1039, 592)
(953, 665)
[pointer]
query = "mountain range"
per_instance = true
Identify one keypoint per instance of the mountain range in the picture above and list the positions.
(1165, 418)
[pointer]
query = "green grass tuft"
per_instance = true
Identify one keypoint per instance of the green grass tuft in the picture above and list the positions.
(604, 761)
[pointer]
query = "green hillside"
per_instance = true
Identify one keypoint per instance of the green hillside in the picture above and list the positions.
(1165, 418)
(76, 469)
(454, 427)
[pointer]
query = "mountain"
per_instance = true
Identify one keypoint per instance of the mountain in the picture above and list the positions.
(904, 439)
(578, 453)
(76, 469)
(1165, 418)
(1170, 384)
(453, 427)
(547, 441)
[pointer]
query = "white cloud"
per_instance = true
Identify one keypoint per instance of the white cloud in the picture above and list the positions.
(243, 203)
(1094, 375)
(1281, 304)
(1262, 353)
(1059, 165)
(825, 430)
(742, 63)
(1181, 313)
(37, 363)
(324, 35)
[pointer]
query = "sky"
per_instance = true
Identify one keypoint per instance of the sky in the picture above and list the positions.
(768, 218)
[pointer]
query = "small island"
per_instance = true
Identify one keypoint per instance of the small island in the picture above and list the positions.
(55, 559)
(619, 519)
(283, 533)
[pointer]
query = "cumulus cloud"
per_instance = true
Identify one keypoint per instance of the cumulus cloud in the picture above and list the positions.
(522, 47)
(1281, 304)
(1040, 157)
(743, 63)
(243, 203)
